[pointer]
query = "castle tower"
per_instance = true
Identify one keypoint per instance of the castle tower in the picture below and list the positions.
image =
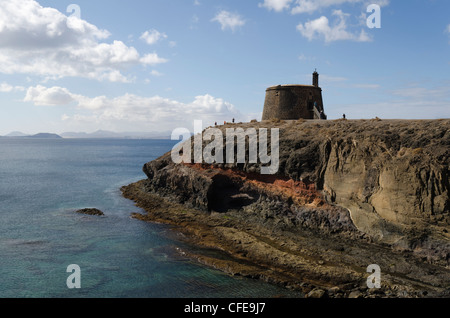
(293, 102)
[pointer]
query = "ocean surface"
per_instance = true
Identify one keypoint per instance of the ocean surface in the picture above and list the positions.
(42, 183)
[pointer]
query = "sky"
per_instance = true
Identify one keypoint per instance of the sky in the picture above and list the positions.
(157, 65)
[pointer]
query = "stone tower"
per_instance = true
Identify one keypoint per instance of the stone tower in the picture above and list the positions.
(293, 102)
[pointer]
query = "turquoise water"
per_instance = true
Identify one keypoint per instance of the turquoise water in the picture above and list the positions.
(44, 181)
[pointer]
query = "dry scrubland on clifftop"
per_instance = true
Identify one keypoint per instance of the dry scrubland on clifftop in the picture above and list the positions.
(375, 181)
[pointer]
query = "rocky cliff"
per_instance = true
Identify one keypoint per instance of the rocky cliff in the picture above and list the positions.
(347, 194)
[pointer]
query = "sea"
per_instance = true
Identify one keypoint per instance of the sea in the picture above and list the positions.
(44, 181)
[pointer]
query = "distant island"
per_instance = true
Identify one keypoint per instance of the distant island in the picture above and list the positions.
(16, 134)
(36, 136)
(45, 136)
(99, 134)
(105, 134)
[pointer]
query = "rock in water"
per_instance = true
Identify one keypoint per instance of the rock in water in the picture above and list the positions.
(91, 211)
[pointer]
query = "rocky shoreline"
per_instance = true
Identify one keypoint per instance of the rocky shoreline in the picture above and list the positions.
(299, 228)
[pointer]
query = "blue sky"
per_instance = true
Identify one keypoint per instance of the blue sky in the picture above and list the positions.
(156, 65)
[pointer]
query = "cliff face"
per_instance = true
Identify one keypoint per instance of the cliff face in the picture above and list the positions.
(392, 176)
(376, 180)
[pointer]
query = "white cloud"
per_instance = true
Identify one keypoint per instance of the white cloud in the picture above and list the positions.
(152, 36)
(229, 20)
(321, 28)
(310, 6)
(7, 88)
(275, 5)
(408, 102)
(55, 96)
(43, 41)
(194, 22)
(367, 86)
(418, 93)
(156, 73)
(152, 59)
(131, 111)
(303, 57)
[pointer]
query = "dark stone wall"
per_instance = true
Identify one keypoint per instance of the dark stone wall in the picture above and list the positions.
(292, 102)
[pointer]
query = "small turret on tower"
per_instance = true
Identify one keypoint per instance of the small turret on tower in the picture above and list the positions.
(315, 79)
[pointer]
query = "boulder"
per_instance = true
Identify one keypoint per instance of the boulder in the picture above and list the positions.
(91, 211)
(316, 293)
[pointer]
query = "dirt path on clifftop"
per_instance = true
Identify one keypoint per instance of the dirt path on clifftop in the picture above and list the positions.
(298, 259)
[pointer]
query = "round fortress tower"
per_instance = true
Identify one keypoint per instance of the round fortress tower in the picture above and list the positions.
(293, 102)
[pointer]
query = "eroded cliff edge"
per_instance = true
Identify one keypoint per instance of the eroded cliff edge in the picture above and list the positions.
(347, 194)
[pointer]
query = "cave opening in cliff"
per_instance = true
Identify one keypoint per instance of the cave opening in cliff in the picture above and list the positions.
(225, 194)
